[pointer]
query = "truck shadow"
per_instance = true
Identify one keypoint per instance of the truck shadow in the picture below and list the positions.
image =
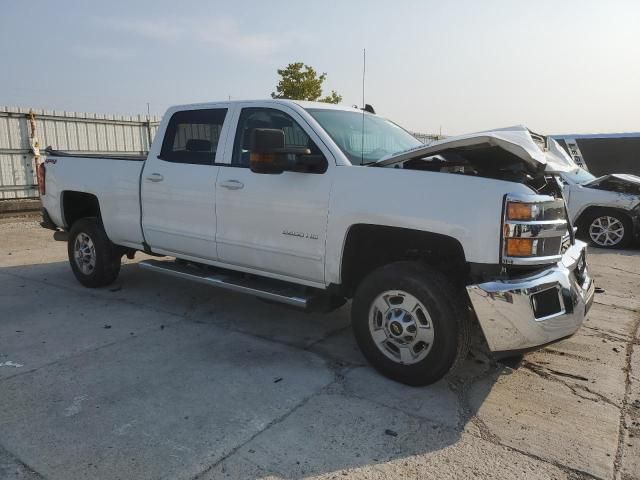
(358, 420)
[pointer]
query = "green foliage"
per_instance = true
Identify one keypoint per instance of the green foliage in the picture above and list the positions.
(301, 82)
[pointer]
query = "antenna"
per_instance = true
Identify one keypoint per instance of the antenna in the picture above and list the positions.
(148, 111)
(364, 71)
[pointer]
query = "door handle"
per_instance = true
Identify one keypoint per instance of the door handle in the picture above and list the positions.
(155, 177)
(232, 184)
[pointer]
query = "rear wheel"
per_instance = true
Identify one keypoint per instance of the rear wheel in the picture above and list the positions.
(608, 229)
(410, 323)
(95, 261)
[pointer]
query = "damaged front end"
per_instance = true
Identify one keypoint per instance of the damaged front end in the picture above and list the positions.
(513, 154)
(543, 290)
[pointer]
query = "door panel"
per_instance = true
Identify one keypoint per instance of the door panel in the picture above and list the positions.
(178, 186)
(273, 223)
(179, 212)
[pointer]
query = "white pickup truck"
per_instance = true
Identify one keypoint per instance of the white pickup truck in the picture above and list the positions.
(311, 204)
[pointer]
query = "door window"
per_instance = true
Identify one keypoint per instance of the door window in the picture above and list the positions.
(192, 136)
(252, 118)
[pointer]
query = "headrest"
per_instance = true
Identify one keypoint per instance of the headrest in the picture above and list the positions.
(197, 145)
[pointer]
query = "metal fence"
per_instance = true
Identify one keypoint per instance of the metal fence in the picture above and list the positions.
(427, 137)
(25, 133)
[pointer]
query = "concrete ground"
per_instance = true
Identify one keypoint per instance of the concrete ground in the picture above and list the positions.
(159, 378)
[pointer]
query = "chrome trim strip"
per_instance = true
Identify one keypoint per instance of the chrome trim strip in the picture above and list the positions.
(532, 260)
(529, 198)
(535, 230)
(537, 222)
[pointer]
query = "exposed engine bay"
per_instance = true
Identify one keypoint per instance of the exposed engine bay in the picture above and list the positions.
(514, 154)
(487, 162)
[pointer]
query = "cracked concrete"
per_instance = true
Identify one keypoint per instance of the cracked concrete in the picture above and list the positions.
(159, 378)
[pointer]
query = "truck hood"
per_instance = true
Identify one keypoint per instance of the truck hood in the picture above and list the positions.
(538, 153)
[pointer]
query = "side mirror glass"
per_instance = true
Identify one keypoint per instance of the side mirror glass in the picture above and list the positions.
(267, 151)
(264, 157)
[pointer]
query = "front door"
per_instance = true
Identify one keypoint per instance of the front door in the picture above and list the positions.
(274, 223)
(178, 185)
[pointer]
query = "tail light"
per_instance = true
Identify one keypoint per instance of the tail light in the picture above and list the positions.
(533, 229)
(42, 175)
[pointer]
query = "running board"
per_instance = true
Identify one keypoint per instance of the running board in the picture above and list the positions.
(273, 290)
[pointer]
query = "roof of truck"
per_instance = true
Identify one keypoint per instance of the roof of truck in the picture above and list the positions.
(303, 103)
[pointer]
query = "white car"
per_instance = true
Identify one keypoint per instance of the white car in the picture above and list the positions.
(606, 209)
(311, 204)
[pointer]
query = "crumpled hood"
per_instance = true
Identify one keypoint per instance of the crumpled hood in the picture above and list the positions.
(617, 182)
(536, 151)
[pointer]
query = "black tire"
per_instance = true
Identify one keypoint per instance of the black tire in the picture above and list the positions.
(449, 316)
(594, 215)
(107, 255)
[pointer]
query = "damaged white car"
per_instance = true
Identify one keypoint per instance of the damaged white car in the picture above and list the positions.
(606, 209)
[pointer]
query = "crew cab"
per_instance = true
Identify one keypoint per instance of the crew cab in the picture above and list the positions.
(312, 204)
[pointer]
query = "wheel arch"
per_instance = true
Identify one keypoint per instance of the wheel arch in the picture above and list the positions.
(591, 210)
(77, 205)
(369, 246)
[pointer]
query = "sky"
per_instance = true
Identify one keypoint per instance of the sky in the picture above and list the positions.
(456, 66)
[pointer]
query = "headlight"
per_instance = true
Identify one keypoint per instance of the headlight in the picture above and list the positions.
(533, 229)
(521, 211)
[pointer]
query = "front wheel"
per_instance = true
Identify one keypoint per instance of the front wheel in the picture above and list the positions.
(95, 261)
(410, 323)
(609, 229)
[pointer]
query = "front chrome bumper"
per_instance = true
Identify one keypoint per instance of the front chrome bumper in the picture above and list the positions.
(510, 312)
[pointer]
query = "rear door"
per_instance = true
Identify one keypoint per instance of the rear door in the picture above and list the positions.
(274, 223)
(178, 184)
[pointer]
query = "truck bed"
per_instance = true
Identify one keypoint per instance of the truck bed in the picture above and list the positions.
(112, 180)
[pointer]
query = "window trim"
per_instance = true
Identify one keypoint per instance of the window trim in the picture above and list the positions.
(298, 117)
(171, 130)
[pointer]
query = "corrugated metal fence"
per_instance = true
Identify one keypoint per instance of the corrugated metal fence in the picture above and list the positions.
(24, 132)
(427, 137)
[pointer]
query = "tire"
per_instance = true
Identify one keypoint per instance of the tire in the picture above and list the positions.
(430, 355)
(606, 228)
(95, 261)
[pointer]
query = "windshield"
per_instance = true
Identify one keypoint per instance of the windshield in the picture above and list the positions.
(579, 176)
(381, 137)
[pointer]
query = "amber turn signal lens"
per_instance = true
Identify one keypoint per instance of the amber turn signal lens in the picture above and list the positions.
(519, 211)
(519, 247)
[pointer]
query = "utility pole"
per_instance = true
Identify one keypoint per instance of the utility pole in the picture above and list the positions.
(149, 126)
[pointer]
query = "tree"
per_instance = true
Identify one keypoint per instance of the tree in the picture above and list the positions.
(301, 82)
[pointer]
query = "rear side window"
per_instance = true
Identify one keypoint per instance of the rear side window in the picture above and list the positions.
(192, 136)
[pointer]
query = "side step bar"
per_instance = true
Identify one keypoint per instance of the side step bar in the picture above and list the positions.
(258, 287)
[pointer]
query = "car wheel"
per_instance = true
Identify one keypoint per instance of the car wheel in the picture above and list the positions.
(608, 229)
(95, 261)
(410, 323)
